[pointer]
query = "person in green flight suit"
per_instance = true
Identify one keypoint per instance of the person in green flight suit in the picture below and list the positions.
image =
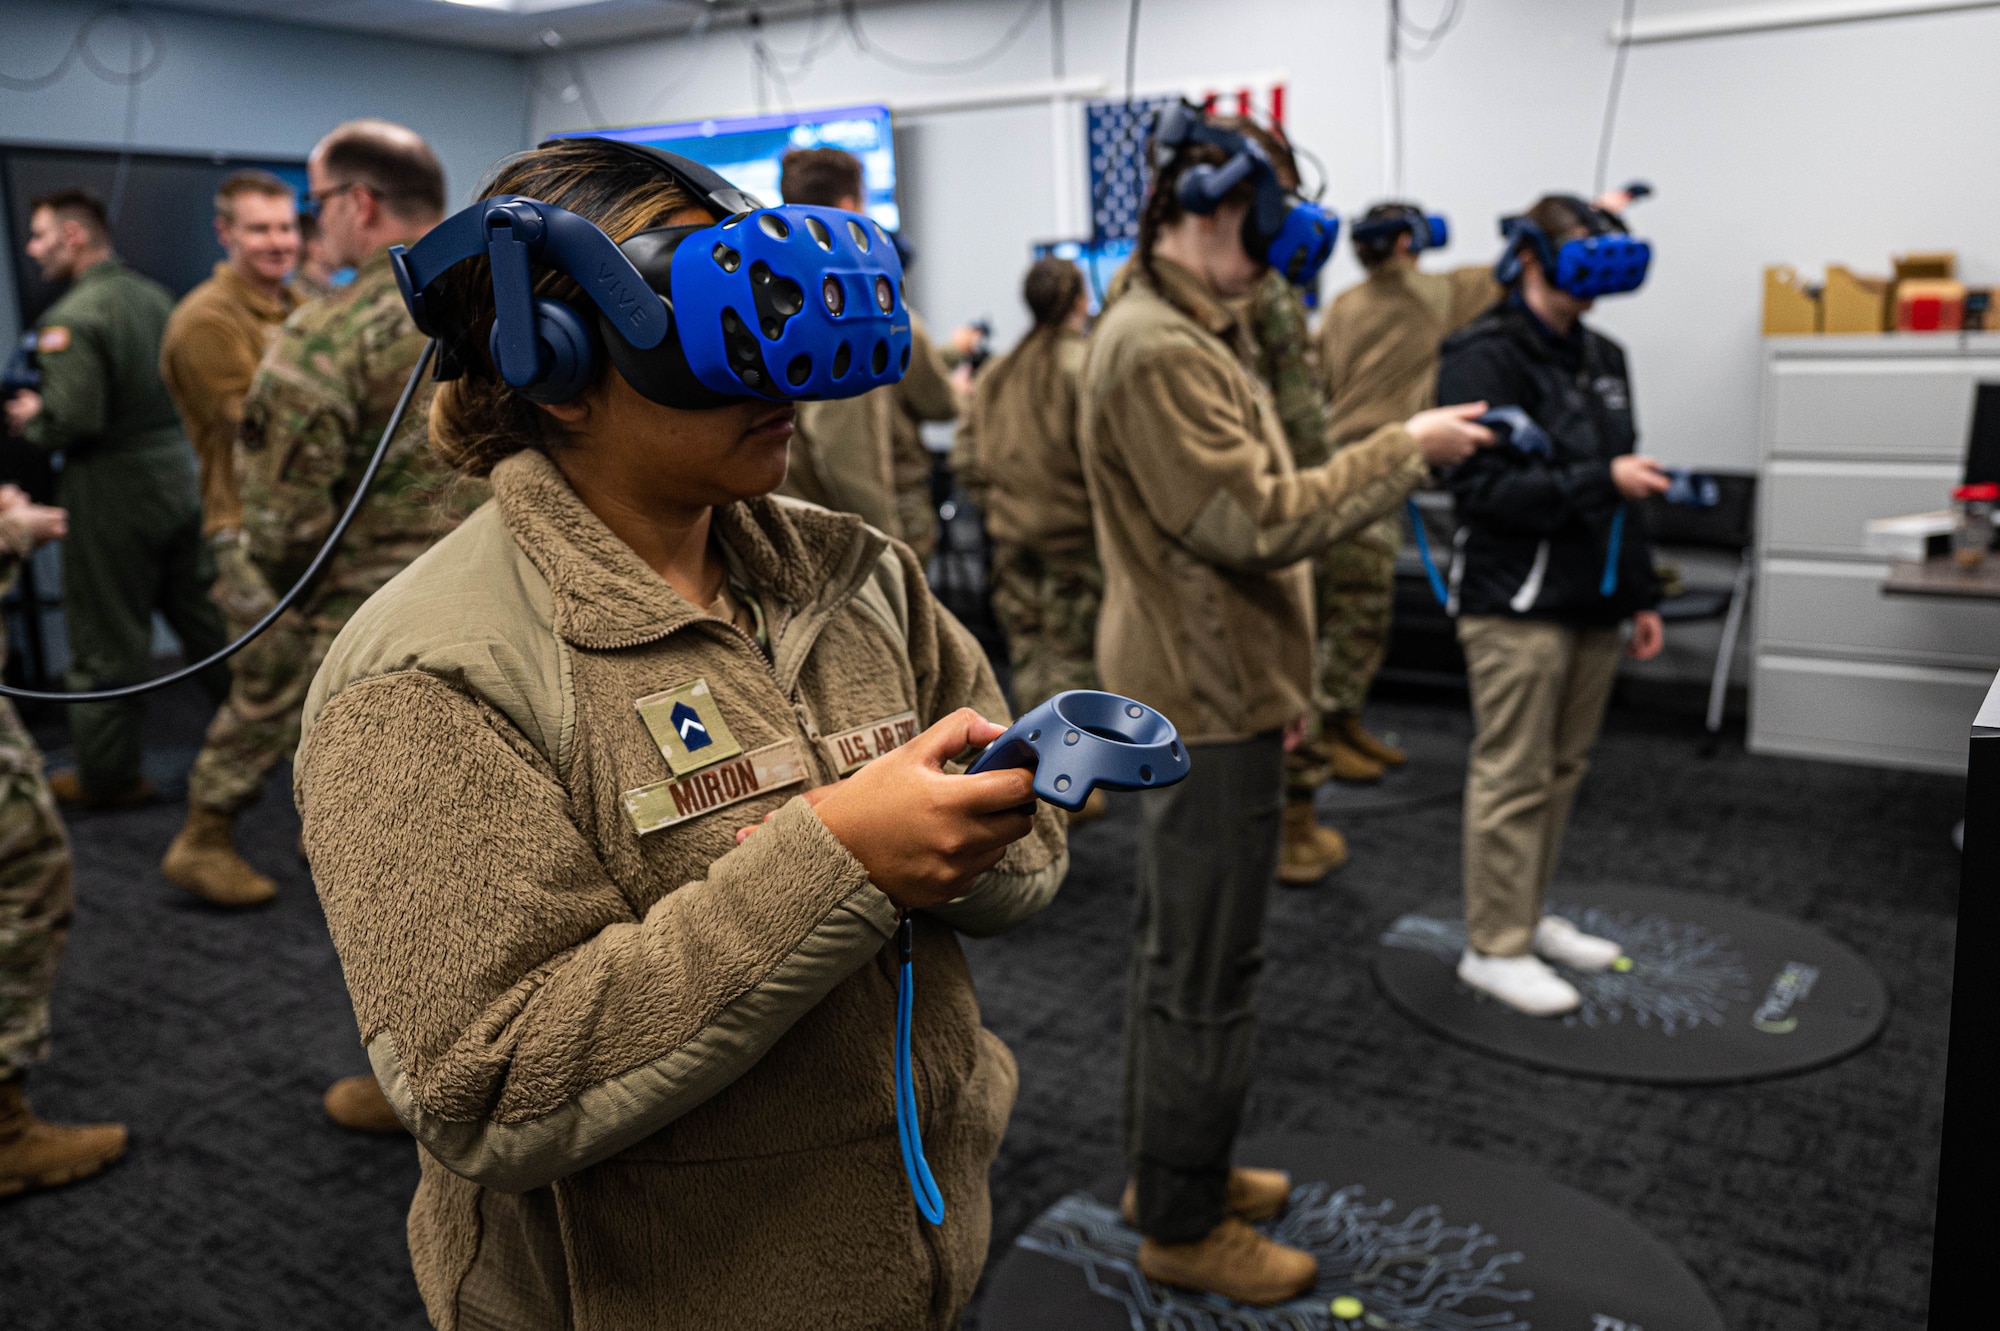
(129, 483)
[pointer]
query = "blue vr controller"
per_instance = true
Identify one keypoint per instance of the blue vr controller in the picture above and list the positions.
(1083, 739)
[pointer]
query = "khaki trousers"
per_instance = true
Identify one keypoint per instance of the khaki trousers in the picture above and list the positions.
(1538, 696)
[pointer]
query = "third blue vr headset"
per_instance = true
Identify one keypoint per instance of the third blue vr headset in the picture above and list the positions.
(1606, 262)
(1428, 231)
(1291, 234)
(784, 303)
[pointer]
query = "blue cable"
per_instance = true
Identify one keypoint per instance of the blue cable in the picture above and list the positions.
(1610, 582)
(1424, 553)
(922, 1186)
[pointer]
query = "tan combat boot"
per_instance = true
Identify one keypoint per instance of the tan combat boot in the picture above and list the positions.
(34, 1154)
(1234, 1261)
(203, 860)
(1348, 763)
(1347, 729)
(1254, 1195)
(358, 1103)
(1308, 852)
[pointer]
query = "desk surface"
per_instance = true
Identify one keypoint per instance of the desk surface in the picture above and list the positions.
(1943, 576)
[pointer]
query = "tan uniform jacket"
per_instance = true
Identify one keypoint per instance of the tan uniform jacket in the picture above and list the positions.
(1378, 345)
(651, 1073)
(1201, 518)
(214, 341)
(1016, 451)
(856, 455)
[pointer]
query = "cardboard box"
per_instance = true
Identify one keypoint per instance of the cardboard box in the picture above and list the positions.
(1791, 307)
(1930, 305)
(1853, 303)
(1928, 264)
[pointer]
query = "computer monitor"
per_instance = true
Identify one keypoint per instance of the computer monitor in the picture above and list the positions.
(746, 150)
(1099, 259)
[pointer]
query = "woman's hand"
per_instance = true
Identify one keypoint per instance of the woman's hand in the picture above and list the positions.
(924, 835)
(1448, 435)
(1637, 476)
(1648, 636)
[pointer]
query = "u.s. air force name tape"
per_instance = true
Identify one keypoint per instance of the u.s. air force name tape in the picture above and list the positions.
(677, 799)
(855, 749)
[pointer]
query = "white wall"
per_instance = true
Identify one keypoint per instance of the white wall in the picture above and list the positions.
(1836, 143)
(236, 86)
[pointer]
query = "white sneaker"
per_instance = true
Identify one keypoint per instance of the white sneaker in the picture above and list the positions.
(1525, 984)
(1559, 940)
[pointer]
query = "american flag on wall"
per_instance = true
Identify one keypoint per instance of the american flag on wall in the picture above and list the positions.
(1116, 134)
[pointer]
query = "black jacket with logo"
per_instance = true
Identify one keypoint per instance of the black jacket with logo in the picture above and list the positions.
(1535, 529)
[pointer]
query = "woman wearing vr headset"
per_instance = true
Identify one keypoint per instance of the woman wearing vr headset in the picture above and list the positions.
(1203, 525)
(1552, 559)
(616, 929)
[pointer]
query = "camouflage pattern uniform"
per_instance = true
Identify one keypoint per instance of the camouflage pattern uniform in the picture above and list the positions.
(34, 870)
(313, 418)
(1285, 363)
(1047, 601)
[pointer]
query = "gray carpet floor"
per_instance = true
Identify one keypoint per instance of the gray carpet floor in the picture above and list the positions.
(1801, 1203)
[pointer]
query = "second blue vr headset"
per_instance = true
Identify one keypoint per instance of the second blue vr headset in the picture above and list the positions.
(1428, 231)
(1292, 234)
(783, 303)
(1607, 262)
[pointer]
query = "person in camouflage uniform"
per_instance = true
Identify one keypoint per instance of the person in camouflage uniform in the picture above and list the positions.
(34, 916)
(313, 417)
(1378, 355)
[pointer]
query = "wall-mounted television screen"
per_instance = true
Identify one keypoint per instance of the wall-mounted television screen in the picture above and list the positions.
(1099, 259)
(746, 150)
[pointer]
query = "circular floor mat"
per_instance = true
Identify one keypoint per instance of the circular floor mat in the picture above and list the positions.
(1713, 993)
(1408, 1238)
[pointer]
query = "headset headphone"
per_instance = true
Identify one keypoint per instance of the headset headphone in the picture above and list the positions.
(1427, 231)
(784, 303)
(1291, 234)
(1606, 262)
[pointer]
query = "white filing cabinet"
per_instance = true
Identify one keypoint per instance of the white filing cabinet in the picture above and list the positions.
(1856, 428)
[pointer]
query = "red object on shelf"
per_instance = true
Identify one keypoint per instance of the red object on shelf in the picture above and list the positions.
(1987, 490)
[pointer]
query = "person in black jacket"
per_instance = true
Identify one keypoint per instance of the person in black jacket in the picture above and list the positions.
(1551, 561)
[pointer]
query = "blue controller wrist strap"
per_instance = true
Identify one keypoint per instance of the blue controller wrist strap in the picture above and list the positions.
(930, 1202)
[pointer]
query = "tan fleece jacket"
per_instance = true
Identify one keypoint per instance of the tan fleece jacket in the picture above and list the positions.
(1016, 450)
(1378, 345)
(1201, 518)
(650, 1070)
(215, 339)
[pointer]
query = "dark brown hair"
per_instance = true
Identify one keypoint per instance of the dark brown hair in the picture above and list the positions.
(1163, 206)
(76, 205)
(1051, 290)
(477, 419)
(823, 177)
(252, 181)
(1375, 251)
(396, 165)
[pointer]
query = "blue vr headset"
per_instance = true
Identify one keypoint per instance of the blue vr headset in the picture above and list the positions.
(778, 303)
(1291, 234)
(1428, 231)
(1607, 262)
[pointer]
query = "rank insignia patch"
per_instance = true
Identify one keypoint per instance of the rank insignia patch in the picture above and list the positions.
(687, 725)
